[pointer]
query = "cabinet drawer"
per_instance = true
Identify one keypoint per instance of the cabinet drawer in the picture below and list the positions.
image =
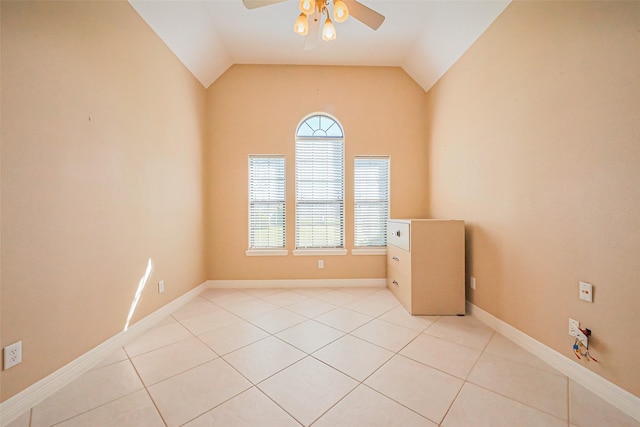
(400, 285)
(398, 234)
(399, 259)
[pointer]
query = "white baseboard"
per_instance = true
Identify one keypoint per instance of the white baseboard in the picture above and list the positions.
(615, 395)
(18, 404)
(294, 283)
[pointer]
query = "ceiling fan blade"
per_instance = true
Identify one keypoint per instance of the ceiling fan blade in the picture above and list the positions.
(311, 40)
(364, 14)
(254, 4)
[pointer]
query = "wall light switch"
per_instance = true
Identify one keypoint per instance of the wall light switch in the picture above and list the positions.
(472, 282)
(586, 291)
(161, 286)
(320, 263)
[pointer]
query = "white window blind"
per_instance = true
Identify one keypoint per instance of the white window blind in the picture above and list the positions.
(319, 194)
(371, 197)
(319, 184)
(266, 202)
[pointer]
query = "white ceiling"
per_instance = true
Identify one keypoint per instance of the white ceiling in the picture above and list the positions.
(424, 37)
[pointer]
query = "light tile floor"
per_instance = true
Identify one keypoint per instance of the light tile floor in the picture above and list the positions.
(321, 357)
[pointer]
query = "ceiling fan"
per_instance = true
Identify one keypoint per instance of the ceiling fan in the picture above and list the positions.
(308, 23)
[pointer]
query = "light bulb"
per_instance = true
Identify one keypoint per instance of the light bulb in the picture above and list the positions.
(328, 30)
(302, 25)
(307, 7)
(340, 11)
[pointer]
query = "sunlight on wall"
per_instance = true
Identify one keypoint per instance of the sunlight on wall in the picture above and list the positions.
(136, 299)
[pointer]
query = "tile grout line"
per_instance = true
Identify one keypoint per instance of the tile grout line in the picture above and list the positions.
(358, 383)
(158, 348)
(464, 380)
(483, 351)
(362, 383)
(509, 397)
(95, 407)
(279, 406)
(193, 367)
(146, 389)
(256, 385)
(221, 357)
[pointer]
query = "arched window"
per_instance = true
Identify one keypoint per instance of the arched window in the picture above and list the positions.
(319, 183)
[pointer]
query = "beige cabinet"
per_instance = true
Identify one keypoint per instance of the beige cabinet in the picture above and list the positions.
(425, 265)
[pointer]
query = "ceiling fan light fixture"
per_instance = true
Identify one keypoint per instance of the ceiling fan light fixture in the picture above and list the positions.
(328, 30)
(340, 11)
(307, 7)
(301, 25)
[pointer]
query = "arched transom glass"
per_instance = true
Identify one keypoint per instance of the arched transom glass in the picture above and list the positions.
(319, 126)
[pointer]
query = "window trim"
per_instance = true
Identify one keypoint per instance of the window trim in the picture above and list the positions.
(273, 251)
(266, 252)
(311, 251)
(320, 252)
(371, 250)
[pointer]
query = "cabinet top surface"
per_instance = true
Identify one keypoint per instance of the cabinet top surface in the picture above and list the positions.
(409, 221)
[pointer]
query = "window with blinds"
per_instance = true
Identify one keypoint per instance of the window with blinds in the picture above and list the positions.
(266, 202)
(371, 198)
(319, 184)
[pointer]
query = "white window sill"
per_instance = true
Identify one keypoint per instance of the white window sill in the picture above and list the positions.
(319, 252)
(369, 251)
(266, 252)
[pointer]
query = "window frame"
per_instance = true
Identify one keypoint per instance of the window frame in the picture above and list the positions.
(371, 250)
(306, 138)
(275, 250)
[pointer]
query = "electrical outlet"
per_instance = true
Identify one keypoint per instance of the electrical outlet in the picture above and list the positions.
(472, 282)
(161, 286)
(320, 263)
(574, 327)
(12, 355)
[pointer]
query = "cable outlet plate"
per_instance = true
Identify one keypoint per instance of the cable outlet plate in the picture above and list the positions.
(12, 355)
(574, 327)
(586, 291)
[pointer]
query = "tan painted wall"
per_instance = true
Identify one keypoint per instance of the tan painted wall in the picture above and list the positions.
(102, 139)
(534, 141)
(256, 109)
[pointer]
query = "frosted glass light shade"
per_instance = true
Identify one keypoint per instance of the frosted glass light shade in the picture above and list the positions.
(301, 25)
(340, 11)
(328, 30)
(307, 7)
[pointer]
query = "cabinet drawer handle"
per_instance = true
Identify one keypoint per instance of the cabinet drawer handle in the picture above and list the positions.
(395, 282)
(395, 258)
(397, 233)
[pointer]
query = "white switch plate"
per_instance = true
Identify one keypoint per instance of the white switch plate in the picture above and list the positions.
(161, 286)
(586, 291)
(320, 263)
(12, 355)
(574, 325)
(472, 282)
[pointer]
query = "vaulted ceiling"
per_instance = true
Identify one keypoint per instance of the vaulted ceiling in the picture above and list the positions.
(424, 37)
